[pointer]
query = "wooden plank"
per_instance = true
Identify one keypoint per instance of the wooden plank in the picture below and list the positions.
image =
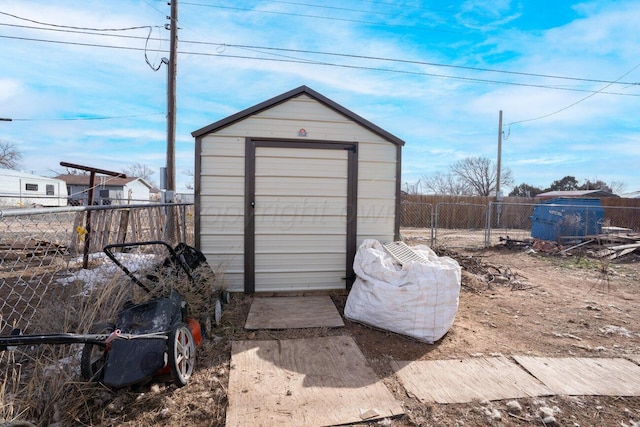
(312, 381)
(585, 376)
(629, 246)
(136, 227)
(122, 226)
(467, 380)
(312, 311)
(623, 252)
(157, 222)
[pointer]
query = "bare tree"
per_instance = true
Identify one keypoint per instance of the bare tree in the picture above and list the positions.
(189, 173)
(446, 183)
(139, 170)
(480, 174)
(10, 157)
(69, 171)
(617, 187)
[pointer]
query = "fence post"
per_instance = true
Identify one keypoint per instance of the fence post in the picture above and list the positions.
(487, 232)
(123, 225)
(434, 228)
(432, 218)
(183, 208)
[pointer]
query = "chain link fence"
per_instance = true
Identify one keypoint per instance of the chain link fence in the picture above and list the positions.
(445, 224)
(39, 248)
(508, 222)
(560, 222)
(416, 220)
(478, 225)
(460, 225)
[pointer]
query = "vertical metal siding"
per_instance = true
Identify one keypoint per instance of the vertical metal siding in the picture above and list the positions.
(300, 219)
(221, 171)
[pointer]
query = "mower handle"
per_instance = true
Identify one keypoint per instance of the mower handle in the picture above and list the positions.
(62, 338)
(107, 250)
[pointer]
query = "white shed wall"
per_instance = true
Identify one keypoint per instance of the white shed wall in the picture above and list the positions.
(222, 179)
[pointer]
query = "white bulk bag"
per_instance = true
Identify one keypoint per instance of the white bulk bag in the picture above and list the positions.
(417, 299)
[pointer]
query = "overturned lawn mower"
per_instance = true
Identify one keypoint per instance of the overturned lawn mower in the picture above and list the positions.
(153, 339)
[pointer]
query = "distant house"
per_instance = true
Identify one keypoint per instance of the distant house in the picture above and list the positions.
(108, 190)
(595, 194)
(632, 195)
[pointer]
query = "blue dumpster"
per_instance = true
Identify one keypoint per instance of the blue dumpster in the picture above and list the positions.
(564, 219)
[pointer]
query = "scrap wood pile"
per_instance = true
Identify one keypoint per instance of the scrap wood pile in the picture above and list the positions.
(477, 272)
(617, 242)
(32, 248)
(478, 275)
(612, 243)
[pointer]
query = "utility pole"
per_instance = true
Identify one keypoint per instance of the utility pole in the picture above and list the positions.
(171, 99)
(499, 156)
(499, 167)
(172, 67)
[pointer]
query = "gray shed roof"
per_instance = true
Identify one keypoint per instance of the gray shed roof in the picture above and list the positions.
(293, 94)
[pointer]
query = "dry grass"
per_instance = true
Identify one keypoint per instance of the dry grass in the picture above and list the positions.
(200, 293)
(42, 384)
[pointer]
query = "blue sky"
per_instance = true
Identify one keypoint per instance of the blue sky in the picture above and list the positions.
(436, 74)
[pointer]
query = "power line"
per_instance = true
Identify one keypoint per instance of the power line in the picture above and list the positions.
(434, 64)
(344, 55)
(328, 64)
(318, 6)
(74, 28)
(329, 18)
(371, 12)
(87, 118)
(58, 27)
(575, 103)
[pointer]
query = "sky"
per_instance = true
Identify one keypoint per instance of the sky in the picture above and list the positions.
(83, 81)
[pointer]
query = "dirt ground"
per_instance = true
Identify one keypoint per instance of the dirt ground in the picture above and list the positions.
(512, 302)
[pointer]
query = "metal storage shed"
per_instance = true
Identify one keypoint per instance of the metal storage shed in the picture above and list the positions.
(286, 190)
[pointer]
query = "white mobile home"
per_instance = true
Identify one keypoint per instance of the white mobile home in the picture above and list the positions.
(21, 189)
(285, 191)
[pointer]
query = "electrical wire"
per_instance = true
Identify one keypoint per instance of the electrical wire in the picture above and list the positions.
(573, 104)
(84, 29)
(433, 64)
(71, 27)
(333, 18)
(329, 18)
(146, 57)
(87, 118)
(328, 64)
(344, 55)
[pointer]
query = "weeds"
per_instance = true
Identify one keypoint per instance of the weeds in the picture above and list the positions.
(41, 384)
(604, 281)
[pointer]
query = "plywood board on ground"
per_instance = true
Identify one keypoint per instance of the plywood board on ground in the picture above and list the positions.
(585, 376)
(314, 311)
(466, 380)
(635, 358)
(302, 382)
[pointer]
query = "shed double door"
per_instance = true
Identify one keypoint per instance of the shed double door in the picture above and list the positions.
(300, 222)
